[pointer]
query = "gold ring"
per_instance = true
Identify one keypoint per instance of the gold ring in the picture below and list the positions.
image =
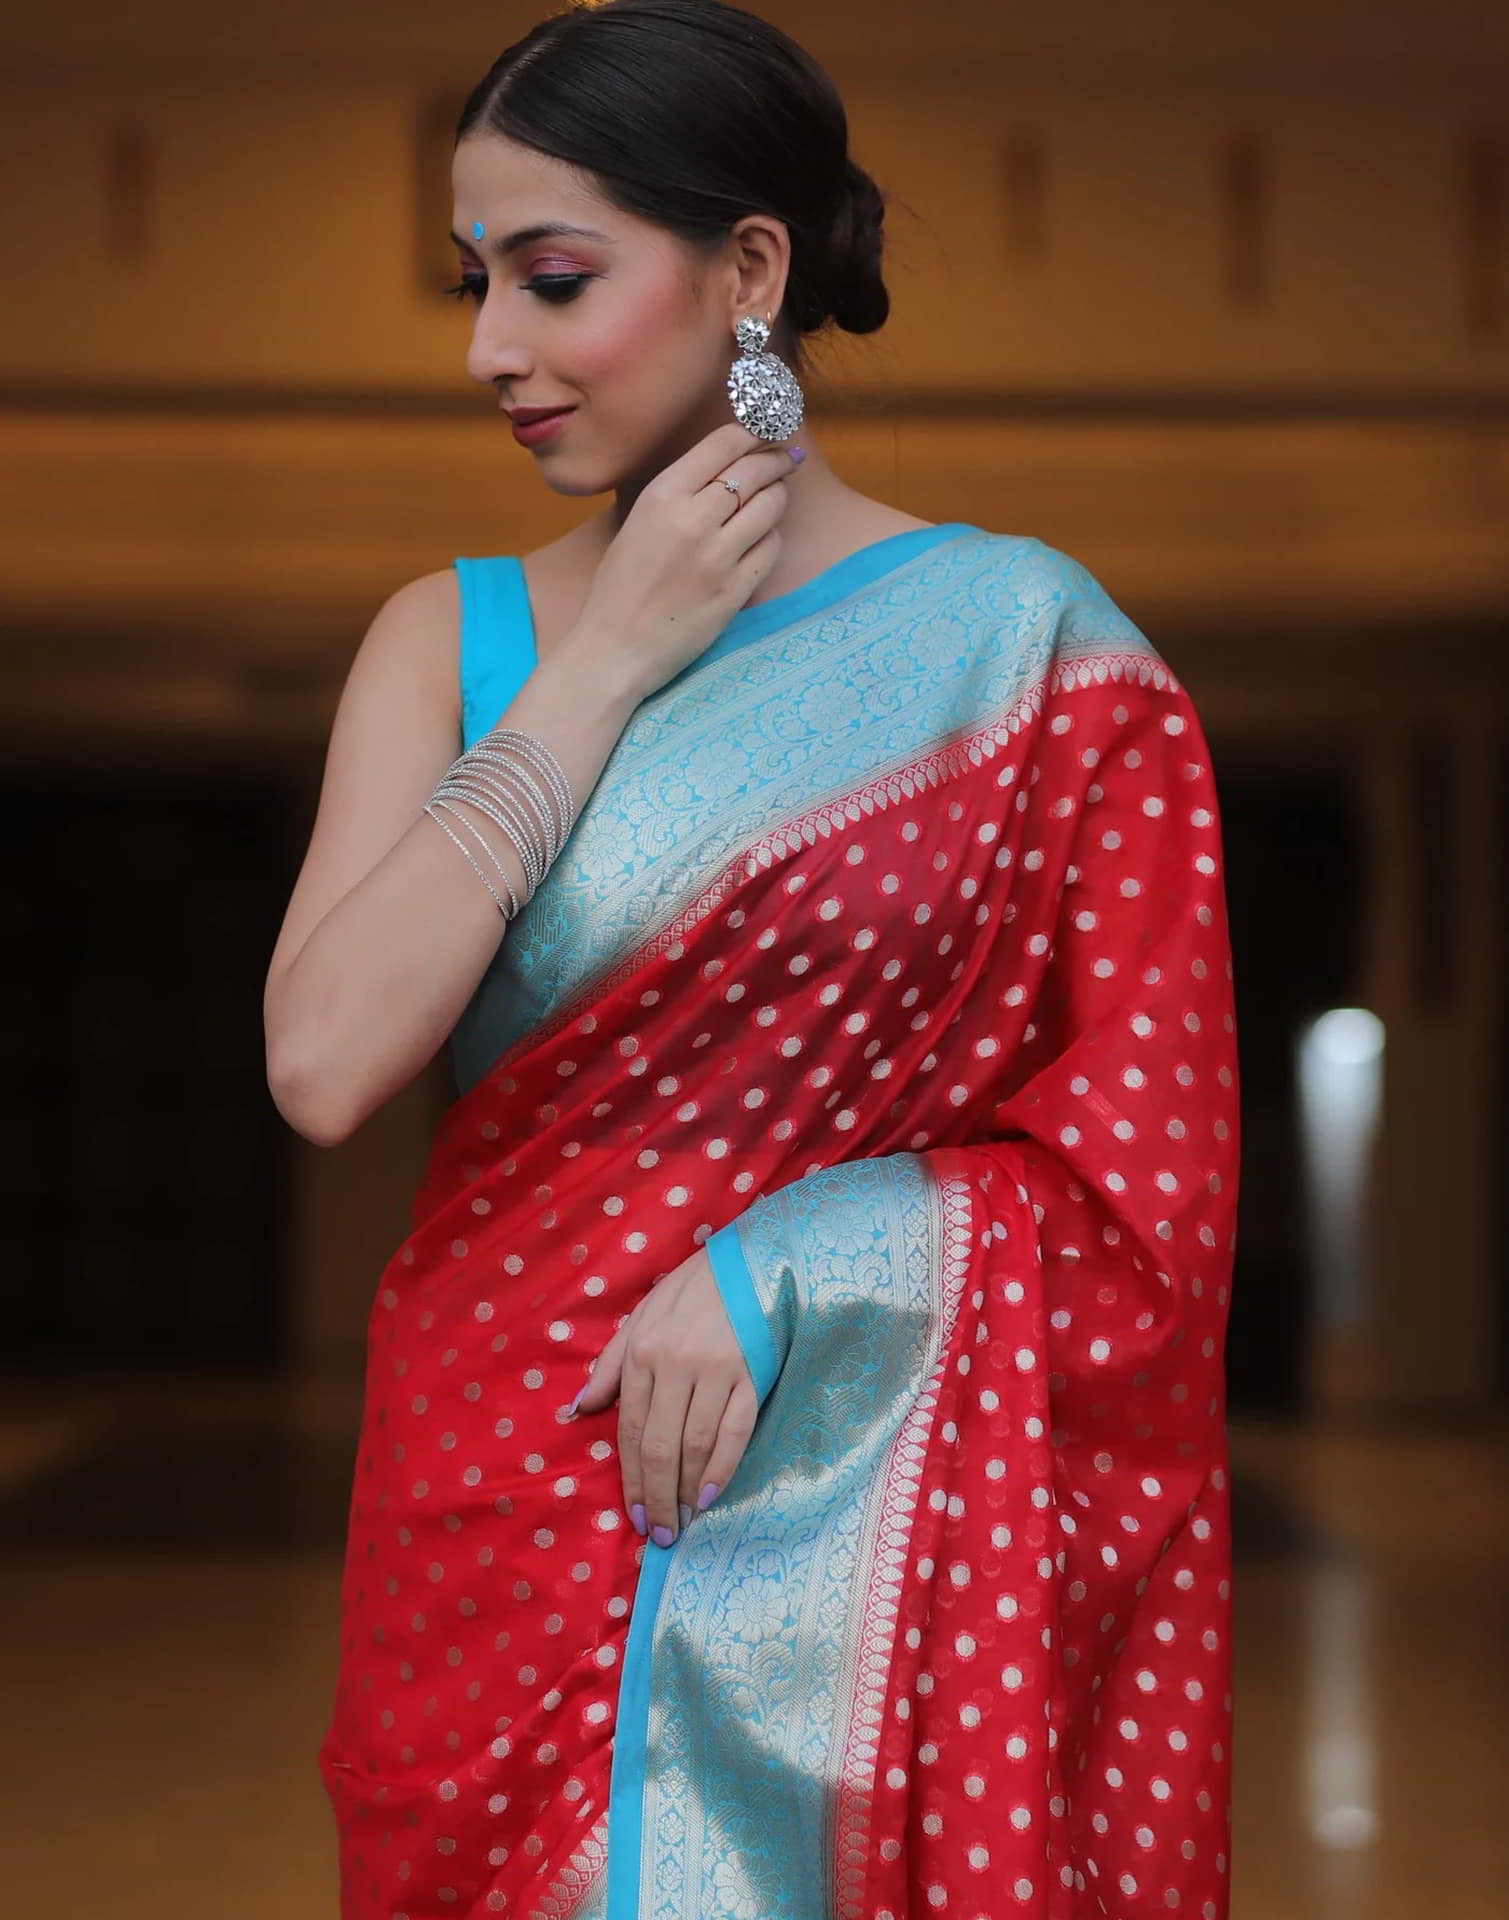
(732, 488)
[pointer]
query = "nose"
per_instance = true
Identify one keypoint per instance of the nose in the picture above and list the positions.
(493, 355)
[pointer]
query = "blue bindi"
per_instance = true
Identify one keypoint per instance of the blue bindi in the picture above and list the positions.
(476, 229)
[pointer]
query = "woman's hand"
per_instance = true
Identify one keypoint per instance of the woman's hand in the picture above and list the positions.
(686, 1400)
(686, 559)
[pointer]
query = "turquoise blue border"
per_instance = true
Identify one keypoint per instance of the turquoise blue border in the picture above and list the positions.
(825, 589)
(840, 1289)
(725, 1255)
(631, 1739)
(499, 648)
(626, 1784)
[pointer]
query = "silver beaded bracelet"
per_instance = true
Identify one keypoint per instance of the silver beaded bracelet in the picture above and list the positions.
(487, 770)
(492, 800)
(432, 809)
(535, 825)
(546, 761)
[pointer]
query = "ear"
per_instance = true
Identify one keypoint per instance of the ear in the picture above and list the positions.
(761, 257)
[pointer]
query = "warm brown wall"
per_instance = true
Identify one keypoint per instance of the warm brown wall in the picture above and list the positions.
(232, 419)
(262, 236)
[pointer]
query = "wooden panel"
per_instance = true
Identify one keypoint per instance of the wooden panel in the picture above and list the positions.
(1039, 239)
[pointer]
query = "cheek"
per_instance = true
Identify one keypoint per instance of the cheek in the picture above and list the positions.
(643, 329)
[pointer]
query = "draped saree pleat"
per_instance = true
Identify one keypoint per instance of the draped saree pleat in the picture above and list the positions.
(888, 962)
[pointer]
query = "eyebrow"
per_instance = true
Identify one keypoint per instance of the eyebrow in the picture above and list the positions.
(544, 230)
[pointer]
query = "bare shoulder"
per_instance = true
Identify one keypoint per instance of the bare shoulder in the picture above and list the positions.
(426, 609)
(891, 521)
(436, 593)
(868, 518)
(415, 636)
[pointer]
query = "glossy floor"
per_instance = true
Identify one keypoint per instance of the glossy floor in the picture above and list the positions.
(168, 1590)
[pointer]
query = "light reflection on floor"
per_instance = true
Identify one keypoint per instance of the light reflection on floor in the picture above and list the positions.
(168, 1593)
(1372, 1679)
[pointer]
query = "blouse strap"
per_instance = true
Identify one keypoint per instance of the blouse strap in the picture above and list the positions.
(496, 641)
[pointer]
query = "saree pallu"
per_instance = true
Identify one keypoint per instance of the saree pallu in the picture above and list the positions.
(888, 962)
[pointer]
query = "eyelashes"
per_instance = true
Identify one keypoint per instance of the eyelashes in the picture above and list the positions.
(556, 288)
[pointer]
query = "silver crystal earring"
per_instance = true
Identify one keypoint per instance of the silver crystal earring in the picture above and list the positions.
(764, 391)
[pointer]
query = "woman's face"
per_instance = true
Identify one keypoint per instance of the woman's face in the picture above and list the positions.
(618, 319)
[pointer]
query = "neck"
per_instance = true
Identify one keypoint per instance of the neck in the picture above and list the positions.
(818, 502)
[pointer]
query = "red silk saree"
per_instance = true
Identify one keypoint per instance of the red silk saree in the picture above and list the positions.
(887, 961)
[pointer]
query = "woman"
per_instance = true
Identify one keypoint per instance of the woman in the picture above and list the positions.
(791, 1477)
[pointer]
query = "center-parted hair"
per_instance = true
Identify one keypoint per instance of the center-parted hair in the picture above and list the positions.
(693, 114)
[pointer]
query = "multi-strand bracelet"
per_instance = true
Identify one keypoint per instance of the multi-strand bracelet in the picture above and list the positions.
(535, 820)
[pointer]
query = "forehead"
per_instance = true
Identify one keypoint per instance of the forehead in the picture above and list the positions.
(490, 172)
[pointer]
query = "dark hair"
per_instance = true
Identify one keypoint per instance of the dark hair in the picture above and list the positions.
(692, 114)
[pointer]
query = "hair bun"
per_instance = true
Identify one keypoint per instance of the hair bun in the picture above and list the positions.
(860, 301)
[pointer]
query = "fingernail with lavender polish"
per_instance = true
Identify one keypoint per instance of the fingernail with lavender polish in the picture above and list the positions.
(708, 1495)
(685, 1513)
(798, 454)
(638, 1518)
(662, 1536)
(570, 1411)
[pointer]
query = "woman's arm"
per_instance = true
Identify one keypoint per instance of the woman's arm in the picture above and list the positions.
(389, 930)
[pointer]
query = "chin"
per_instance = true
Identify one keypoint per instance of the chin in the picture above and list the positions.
(633, 457)
(572, 478)
(573, 486)
(581, 477)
